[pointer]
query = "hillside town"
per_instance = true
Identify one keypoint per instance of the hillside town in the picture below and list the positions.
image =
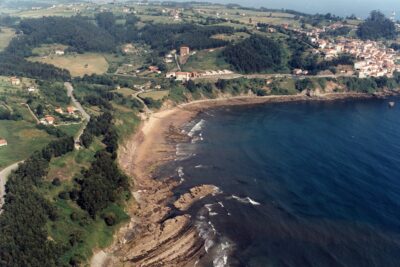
(373, 58)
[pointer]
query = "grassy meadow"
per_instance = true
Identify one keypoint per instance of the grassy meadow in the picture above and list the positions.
(206, 60)
(156, 95)
(23, 139)
(6, 34)
(78, 65)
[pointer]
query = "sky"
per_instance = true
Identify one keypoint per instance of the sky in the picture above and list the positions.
(360, 8)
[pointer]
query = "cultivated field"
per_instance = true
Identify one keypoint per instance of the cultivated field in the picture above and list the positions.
(78, 65)
(6, 34)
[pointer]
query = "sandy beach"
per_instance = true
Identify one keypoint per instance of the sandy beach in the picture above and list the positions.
(157, 235)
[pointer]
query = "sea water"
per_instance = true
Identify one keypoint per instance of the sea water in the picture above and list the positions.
(302, 184)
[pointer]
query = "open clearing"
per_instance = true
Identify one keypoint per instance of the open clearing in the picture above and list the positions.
(156, 95)
(206, 60)
(23, 139)
(6, 34)
(78, 65)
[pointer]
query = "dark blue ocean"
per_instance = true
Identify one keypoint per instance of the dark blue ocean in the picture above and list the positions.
(303, 183)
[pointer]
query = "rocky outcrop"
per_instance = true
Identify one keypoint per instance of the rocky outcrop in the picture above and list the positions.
(168, 244)
(195, 194)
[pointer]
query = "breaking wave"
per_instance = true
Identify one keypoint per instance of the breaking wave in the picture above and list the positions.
(184, 151)
(196, 128)
(222, 253)
(246, 200)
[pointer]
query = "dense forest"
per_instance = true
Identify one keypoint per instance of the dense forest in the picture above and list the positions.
(165, 37)
(376, 26)
(341, 31)
(256, 54)
(77, 32)
(23, 237)
(11, 64)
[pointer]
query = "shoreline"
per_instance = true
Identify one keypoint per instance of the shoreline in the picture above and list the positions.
(155, 236)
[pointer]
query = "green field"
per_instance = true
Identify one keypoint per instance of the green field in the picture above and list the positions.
(77, 64)
(156, 95)
(237, 36)
(71, 129)
(6, 34)
(126, 92)
(23, 139)
(206, 60)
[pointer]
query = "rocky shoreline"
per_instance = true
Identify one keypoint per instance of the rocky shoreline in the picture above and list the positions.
(157, 235)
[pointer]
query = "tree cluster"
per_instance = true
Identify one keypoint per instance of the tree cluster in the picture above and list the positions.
(13, 65)
(101, 184)
(165, 37)
(23, 236)
(376, 26)
(77, 32)
(256, 54)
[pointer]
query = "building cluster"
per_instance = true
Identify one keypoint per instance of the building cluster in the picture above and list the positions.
(373, 58)
(70, 110)
(17, 82)
(186, 76)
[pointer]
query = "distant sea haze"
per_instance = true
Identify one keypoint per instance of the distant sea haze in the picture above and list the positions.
(360, 8)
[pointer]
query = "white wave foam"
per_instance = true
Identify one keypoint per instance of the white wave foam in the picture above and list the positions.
(208, 207)
(180, 171)
(196, 128)
(184, 151)
(213, 213)
(246, 200)
(216, 246)
(206, 231)
(221, 204)
(222, 252)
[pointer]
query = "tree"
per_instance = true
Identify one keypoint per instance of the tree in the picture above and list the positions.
(256, 54)
(39, 110)
(376, 26)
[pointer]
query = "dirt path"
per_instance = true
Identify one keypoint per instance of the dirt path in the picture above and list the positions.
(145, 107)
(32, 113)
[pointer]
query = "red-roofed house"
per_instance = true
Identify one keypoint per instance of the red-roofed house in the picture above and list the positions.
(49, 119)
(3, 142)
(70, 110)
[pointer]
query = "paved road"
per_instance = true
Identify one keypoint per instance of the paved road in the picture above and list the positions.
(86, 117)
(267, 76)
(3, 180)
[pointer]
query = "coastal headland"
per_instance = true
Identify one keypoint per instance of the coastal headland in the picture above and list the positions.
(160, 233)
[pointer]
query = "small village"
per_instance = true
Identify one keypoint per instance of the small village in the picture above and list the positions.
(58, 116)
(373, 58)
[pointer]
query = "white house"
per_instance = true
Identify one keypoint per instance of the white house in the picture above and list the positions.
(60, 52)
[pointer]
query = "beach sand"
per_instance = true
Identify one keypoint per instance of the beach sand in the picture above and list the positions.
(155, 236)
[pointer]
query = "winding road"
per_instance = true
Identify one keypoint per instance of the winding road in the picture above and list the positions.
(78, 106)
